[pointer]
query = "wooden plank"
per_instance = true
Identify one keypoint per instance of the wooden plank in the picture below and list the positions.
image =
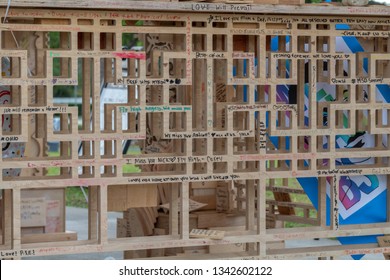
(184, 211)
(123, 197)
(384, 241)
(121, 230)
(163, 222)
(210, 219)
(200, 113)
(49, 237)
(294, 2)
(174, 210)
(93, 196)
(33, 212)
(16, 223)
(7, 218)
(188, 7)
(202, 233)
(192, 205)
(102, 215)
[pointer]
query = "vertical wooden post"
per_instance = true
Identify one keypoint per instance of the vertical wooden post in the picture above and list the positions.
(93, 211)
(102, 208)
(16, 225)
(7, 218)
(334, 203)
(184, 211)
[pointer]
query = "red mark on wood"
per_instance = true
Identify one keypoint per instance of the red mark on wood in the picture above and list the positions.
(137, 55)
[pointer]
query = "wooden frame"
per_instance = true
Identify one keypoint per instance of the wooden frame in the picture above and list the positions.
(202, 106)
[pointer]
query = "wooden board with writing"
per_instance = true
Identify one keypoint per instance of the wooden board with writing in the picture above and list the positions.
(215, 114)
(33, 212)
(384, 241)
(123, 197)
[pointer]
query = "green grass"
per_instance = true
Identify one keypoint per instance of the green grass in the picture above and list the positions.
(74, 197)
(53, 171)
(302, 198)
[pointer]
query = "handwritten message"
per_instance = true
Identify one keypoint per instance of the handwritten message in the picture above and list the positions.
(186, 178)
(33, 212)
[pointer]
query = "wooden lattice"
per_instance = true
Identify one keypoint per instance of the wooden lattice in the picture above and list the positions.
(204, 103)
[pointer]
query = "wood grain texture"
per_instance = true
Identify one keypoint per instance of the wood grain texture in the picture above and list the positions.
(206, 7)
(201, 112)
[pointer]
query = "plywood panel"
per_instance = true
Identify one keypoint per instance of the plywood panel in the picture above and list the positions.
(123, 197)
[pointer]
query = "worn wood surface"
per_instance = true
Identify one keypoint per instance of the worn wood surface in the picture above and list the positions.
(205, 7)
(204, 112)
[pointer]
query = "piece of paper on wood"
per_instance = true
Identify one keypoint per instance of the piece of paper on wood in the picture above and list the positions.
(33, 212)
(53, 208)
(53, 216)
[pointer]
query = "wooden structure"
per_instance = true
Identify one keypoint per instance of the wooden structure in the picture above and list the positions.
(202, 107)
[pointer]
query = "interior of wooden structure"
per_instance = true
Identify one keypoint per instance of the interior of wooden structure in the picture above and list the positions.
(203, 138)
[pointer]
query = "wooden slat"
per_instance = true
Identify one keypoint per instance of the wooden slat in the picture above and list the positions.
(188, 7)
(49, 237)
(384, 241)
